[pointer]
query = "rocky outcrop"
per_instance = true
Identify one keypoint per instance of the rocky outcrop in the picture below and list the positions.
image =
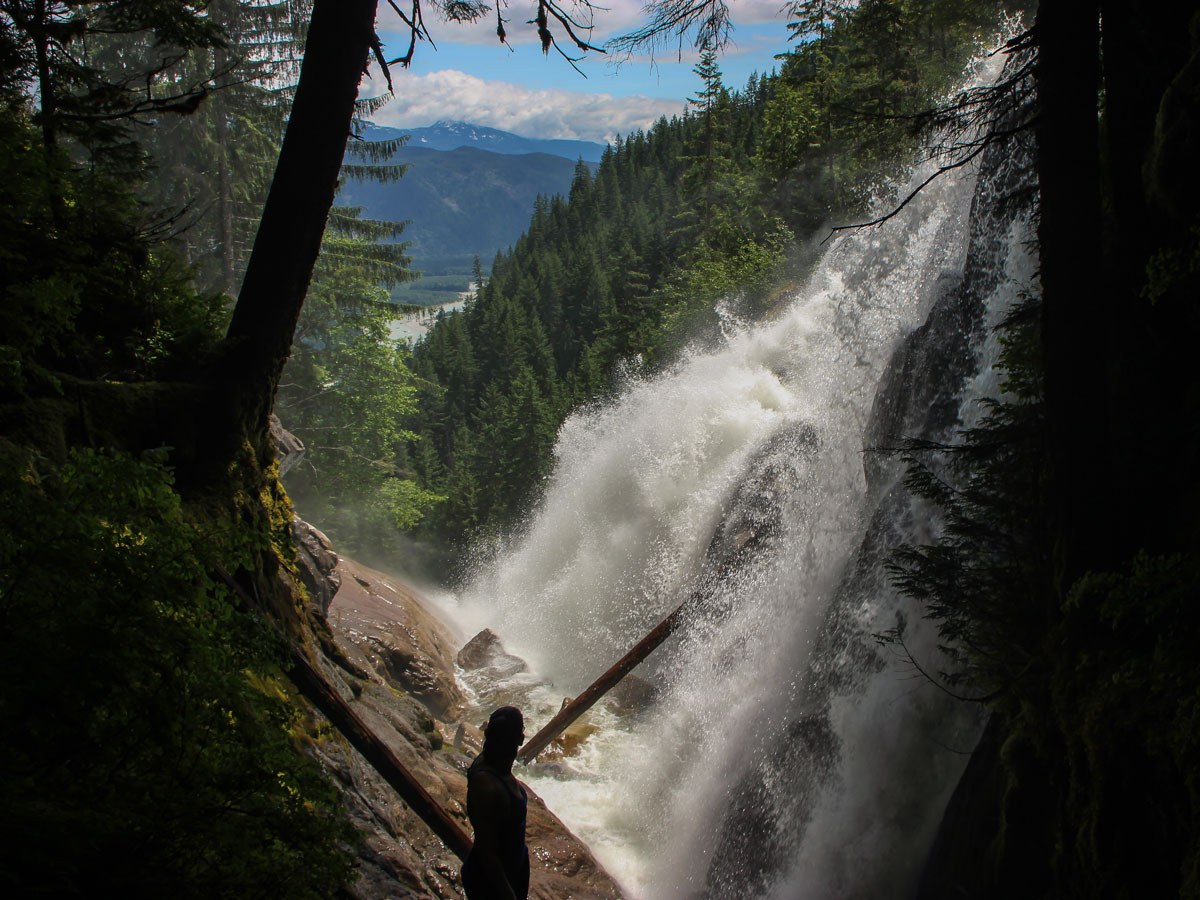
(484, 651)
(388, 633)
(317, 564)
(386, 628)
(289, 448)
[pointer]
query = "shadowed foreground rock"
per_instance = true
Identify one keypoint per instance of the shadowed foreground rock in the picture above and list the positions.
(393, 659)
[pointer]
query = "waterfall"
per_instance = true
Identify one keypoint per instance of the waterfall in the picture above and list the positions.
(787, 754)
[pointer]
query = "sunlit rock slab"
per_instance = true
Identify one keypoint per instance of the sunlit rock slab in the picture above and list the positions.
(390, 633)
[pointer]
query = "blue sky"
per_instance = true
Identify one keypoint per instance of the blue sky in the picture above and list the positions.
(471, 77)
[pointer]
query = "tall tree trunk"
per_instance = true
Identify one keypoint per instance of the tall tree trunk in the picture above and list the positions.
(39, 28)
(224, 196)
(1145, 47)
(1076, 304)
(225, 249)
(260, 334)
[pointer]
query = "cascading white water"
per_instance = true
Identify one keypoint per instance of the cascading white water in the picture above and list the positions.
(785, 756)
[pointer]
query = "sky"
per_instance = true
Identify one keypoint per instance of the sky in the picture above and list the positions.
(470, 77)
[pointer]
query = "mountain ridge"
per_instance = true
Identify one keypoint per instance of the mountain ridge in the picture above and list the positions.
(448, 134)
(463, 202)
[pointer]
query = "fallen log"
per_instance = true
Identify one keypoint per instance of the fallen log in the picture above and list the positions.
(647, 645)
(379, 755)
(602, 685)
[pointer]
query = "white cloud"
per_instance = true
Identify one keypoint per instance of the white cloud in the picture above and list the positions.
(543, 113)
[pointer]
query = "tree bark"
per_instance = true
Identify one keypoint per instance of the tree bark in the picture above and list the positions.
(1145, 47)
(280, 267)
(224, 199)
(1076, 305)
(378, 754)
(224, 169)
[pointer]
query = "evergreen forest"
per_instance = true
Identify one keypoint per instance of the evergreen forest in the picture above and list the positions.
(176, 270)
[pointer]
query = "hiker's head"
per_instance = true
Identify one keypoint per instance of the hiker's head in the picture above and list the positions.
(505, 732)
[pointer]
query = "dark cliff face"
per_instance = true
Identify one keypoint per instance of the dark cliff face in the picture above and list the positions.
(1082, 786)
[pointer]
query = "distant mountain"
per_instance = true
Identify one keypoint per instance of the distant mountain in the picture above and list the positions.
(452, 135)
(462, 202)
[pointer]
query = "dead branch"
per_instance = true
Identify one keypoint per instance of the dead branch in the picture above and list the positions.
(672, 20)
(895, 637)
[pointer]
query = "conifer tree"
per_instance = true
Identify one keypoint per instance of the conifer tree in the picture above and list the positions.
(812, 23)
(217, 163)
(709, 159)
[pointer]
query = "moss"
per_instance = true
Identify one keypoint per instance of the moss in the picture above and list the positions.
(170, 748)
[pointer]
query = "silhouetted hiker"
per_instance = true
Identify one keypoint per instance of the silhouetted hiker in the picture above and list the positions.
(497, 868)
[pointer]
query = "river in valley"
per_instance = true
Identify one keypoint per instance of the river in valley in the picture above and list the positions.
(416, 326)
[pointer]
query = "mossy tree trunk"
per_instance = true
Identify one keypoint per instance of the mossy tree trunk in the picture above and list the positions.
(259, 339)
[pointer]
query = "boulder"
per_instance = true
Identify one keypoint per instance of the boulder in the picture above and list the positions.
(288, 448)
(569, 742)
(468, 739)
(484, 651)
(631, 695)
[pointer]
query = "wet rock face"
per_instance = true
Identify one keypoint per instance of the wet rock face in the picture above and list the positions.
(484, 651)
(387, 629)
(918, 400)
(751, 520)
(399, 857)
(911, 404)
(317, 564)
(410, 700)
(560, 866)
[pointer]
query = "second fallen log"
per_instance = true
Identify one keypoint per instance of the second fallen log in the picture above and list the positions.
(600, 686)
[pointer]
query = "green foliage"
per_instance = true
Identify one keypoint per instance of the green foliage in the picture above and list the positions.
(154, 751)
(847, 105)
(1127, 703)
(347, 388)
(345, 393)
(789, 130)
(148, 753)
(217, 163)
(1091, 674)
(98, 65)
(89, 288)
(746, 277)
(705, 179)
(1172, 268)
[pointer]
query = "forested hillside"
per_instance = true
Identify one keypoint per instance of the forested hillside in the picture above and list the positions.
(462, 203)
(698, 218)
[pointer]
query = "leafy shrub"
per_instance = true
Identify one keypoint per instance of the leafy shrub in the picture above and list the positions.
(148, 750)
